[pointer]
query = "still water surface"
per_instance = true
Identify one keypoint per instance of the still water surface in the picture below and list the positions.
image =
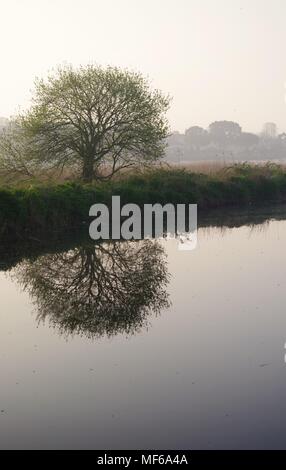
(139, 345)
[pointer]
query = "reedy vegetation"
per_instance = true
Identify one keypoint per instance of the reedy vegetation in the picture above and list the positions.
(57, 210)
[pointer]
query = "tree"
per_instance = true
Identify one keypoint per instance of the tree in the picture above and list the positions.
(197, 136)
(4, 122)
(247, 139)
(224, 131)
(282, 137)
(100, 120)
(17, 152)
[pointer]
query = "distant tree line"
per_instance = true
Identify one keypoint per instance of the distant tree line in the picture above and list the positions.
(225, 140)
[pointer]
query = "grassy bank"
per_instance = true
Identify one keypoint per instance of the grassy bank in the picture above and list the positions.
(56, 210)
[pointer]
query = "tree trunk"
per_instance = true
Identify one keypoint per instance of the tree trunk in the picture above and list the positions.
(88, 170)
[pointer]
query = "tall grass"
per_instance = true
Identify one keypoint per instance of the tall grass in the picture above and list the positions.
(46, 209)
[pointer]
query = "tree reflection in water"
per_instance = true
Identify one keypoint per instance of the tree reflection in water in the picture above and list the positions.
(98, 289)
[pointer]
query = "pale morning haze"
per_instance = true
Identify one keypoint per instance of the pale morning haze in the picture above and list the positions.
(143, 229)
(218, 59)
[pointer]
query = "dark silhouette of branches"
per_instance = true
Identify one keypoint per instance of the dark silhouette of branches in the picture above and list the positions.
(97, 290)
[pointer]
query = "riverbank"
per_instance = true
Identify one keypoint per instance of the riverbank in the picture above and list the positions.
(56, 210)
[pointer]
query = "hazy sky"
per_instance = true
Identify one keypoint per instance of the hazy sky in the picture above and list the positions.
(219, 59)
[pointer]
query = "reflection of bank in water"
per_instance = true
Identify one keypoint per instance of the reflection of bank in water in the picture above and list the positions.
(98, 289)
(132, 222)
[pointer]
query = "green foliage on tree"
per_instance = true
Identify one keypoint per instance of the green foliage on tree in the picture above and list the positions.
(98, 120)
